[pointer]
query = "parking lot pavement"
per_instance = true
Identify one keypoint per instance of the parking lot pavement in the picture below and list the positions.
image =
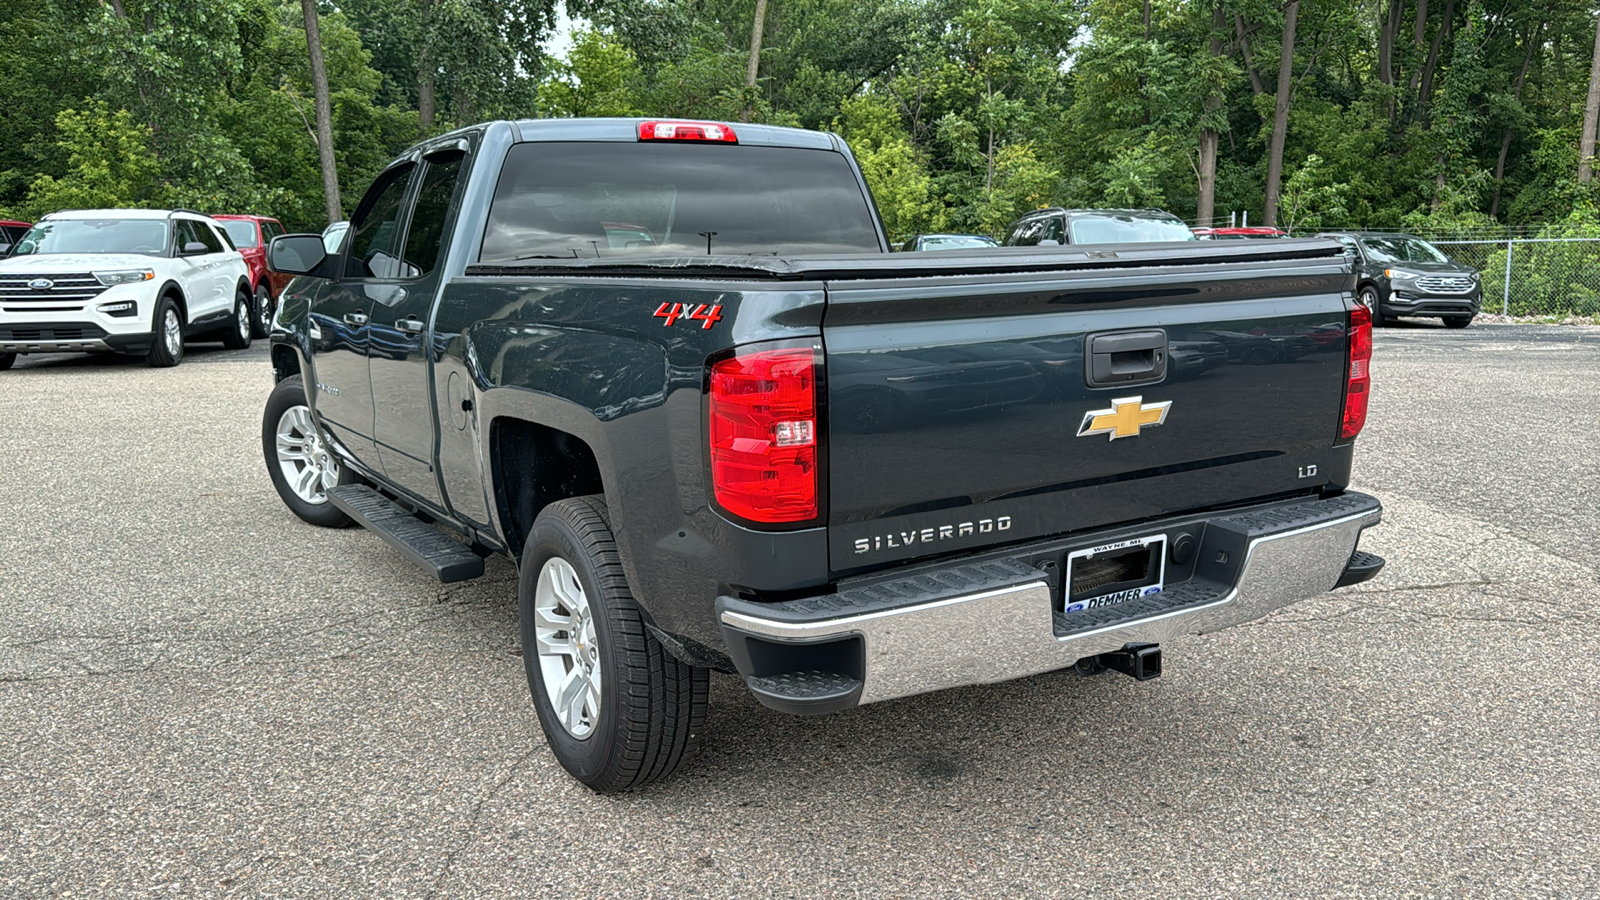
(199, 695)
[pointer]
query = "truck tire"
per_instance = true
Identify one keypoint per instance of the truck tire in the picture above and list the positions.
(166, 335)
(261, 325)
(7, 360)
(629, 713)
(242, 327)
(301, 466)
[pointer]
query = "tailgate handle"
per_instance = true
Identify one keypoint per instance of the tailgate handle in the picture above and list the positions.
(1126, 358)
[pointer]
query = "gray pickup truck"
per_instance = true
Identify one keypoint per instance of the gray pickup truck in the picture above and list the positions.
(672, 371)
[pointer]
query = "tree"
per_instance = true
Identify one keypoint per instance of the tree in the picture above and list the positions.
(1591, 114)
(1280, 114)
(319, 81)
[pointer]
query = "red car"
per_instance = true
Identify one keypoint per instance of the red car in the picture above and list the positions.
(1238, 234)
(11, 231)
(250, 235)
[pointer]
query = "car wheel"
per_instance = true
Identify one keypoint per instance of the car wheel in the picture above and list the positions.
(618, 710)
(1457, 321)
(239, 332)
(166, 340)
(7, 360)
(263, 310)
(301, 463)
(1369, 299)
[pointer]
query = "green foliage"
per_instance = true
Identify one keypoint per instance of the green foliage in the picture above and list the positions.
(109, 164)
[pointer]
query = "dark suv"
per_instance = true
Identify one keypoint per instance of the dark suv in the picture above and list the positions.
(1404, 275)
(1051, 227)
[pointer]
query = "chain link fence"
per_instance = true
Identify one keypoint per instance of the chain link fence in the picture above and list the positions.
(1534, 276)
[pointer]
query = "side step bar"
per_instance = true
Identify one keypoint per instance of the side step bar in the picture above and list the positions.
(421, 543)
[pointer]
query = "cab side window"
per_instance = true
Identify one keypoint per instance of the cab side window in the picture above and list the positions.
(1056, 230)
(375, 227)
(1026, 234)
(425, 234)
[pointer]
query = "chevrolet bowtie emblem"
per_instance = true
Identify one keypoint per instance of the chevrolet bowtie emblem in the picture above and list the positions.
(1125, 417)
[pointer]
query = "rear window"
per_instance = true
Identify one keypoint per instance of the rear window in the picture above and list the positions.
(241, 231)
(1127, 230)
(619, 200)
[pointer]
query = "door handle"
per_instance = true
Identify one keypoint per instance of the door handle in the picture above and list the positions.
(410, 325)
(1128, 357)
(357, 319)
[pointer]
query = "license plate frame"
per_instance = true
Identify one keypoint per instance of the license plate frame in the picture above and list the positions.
(1155, 545)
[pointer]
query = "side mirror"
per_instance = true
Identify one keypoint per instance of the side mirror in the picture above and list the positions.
(300, 254)
(195, 248)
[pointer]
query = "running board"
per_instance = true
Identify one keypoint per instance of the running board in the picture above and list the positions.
(421, 543)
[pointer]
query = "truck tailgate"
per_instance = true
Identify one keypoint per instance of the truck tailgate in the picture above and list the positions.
(960, 411)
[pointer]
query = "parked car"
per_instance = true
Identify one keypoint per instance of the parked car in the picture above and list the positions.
(135, 281)
(333, 236)
(1238, 233)
(949, 242)
(250, 236)
(11, 231)
(658, 444)
(1051, 227)
(1404, 275)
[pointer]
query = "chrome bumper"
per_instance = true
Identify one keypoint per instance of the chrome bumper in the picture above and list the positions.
(1010, 632)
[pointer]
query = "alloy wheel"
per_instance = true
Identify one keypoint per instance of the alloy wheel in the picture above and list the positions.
(308, 466)
(569, 654)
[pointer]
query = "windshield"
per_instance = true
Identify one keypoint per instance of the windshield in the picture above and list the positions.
(147, 236)
(1402, 249)
(617, 200)
(956, 242)
(241, 231)
(1127, 230)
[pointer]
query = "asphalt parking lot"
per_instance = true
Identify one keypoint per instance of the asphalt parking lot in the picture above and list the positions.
(200, 695)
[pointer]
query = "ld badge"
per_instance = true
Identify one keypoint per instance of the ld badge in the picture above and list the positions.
(1125, 417)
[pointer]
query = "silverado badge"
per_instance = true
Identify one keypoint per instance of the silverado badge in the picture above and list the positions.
(1125, 417)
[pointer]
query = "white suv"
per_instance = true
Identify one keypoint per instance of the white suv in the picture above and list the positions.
(136, 281)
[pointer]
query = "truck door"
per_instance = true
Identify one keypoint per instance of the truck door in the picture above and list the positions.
(342, 310)
(398, 350)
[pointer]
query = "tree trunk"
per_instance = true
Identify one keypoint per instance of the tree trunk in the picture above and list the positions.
(757, 28)
(426, 102)
(1591, 114)
(1505, 136)
(319, 83)
(1280, 114)
(1387, 31)
(1256, 87)
(1205, 205)
(1442, 34)
(427, 98)
(1142, 95)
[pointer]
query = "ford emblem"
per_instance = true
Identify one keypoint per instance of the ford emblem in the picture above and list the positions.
(41, 284)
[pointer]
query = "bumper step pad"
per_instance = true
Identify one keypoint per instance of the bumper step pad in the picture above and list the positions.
(447, 559)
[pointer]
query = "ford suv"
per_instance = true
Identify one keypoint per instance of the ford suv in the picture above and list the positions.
(1404, 275)
(134, 281)
(250, 236)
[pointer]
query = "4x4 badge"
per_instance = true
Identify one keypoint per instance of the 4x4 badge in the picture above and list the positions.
(1125, 417)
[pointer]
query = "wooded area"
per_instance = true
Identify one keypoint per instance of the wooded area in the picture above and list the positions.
(1422, 114)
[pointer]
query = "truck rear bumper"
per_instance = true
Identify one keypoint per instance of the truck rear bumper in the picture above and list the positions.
(1002, 618)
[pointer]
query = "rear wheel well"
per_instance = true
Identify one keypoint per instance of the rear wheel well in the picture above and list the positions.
(535, 465)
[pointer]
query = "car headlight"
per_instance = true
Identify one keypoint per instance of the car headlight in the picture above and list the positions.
(1399, 275)
(131, 276)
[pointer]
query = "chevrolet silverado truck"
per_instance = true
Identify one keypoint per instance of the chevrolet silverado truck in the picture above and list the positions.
(671, 370)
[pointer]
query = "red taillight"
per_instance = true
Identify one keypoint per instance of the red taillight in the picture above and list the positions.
(714, 132)
(1359, 381)
(764, 435)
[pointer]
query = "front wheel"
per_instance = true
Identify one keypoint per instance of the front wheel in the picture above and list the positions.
(618, 711)
(166, 344)
(240, 330)
(262, 326)
(1457, 321)
(1369, 299)
(301, 464)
